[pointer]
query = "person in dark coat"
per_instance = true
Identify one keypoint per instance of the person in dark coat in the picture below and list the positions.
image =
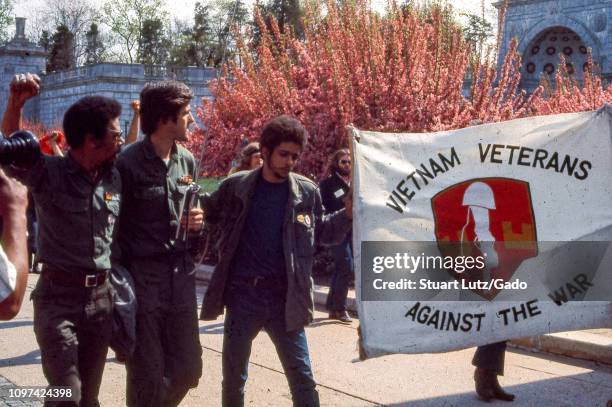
(270, 220)
(334, 190)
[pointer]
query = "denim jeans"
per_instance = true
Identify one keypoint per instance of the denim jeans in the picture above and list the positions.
(249, 310)
(343, 269)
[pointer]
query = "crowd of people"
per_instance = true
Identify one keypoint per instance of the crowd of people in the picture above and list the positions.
(103, 203)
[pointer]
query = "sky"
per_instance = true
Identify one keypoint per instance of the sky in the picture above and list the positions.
(183, 9)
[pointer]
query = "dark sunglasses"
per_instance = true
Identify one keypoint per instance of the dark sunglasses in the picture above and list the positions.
(345, 161)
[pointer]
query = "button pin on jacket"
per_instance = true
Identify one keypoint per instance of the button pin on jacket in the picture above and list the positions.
(304, 219)
(185, 180)
(110, 197)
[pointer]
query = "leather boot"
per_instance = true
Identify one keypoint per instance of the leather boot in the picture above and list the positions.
(500, 393)
(487, 386)
(484, 387)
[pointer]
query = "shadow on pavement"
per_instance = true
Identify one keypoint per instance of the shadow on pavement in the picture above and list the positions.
(212, 329)
(558, 392)
(586, 364)
(16, 323)
(30, 358)
(326, 321)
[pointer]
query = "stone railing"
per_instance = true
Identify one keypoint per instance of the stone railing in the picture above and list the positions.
(132, 72)
(70, 74)
(187, 74)
(162, 72)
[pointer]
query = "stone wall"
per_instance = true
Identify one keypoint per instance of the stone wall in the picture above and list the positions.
(122, 82)
(17, 56)
(11, 64)
(59, 90)
(546, 28)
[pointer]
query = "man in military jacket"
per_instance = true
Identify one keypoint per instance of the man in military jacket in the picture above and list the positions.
(270, 219)
(78, 199)
(156, 174)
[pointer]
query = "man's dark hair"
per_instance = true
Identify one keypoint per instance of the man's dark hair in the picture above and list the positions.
(283, 129)
(335, 157)
(89, 115)
(162, 101)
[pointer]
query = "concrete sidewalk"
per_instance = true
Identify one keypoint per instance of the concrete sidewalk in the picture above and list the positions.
(422, 380)
(593, 344)
(401, 380)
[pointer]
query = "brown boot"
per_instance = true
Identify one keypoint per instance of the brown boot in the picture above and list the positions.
(487, 386)
(500, 393)
(483, 381)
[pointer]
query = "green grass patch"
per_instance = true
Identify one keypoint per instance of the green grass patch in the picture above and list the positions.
(209, 184)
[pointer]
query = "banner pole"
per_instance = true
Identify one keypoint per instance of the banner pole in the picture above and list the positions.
(353, 135)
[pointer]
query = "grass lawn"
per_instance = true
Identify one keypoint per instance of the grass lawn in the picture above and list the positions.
(209, 184)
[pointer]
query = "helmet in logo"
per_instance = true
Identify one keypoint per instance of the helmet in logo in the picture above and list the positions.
(488, 217)
(479, 194)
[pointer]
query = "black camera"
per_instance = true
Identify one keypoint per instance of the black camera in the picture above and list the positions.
(21, 149)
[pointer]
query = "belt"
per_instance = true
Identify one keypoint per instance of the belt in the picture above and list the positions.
(89, 279)
(261, 282)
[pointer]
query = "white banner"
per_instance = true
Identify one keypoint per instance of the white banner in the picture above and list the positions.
(493, 232)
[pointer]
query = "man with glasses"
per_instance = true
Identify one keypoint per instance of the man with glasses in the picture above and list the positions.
(157, 174)
(77, 203)
(334, 190)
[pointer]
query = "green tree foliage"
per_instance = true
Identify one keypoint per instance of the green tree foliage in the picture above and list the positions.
(201, 36)
(193, 46)
(153, 45)
(61, 55)
(210, 41)
(76, 15)
(229, 15)
(45, 40)
(182, 49)
(126, 19)
(288, 14)
(6, 19)
(95, 48)
(477, 29)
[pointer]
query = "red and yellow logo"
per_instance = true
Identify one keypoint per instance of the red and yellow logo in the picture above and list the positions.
(489, 217)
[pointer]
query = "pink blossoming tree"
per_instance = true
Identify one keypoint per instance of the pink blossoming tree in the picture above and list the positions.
(401, 72)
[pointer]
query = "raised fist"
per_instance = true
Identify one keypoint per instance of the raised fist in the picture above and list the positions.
(23, 87)
(135, 105)
(54, 136)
